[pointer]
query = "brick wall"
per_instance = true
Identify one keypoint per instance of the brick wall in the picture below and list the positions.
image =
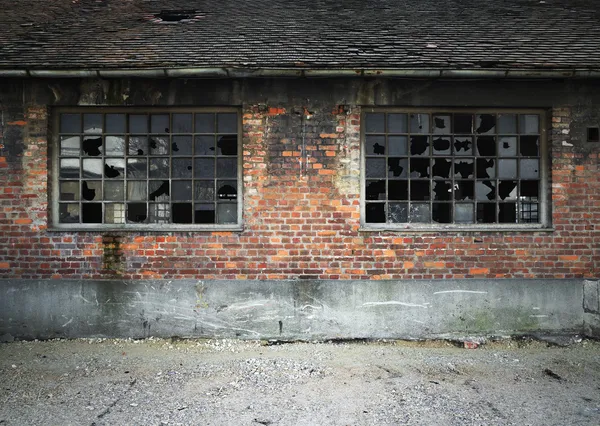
(301, 213)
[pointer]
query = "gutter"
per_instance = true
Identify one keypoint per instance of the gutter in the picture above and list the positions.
(296, 73)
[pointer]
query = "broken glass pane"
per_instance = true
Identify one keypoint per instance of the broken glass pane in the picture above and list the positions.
(226, 213)
(375, 190)
(204, 213)
(375, 167)
(507, 146)
(205, 123)
(138, 145)
(441, 124)
(91, 213)
(529, 213)
(375, 145)
(419, 167)
(441, 168)
(182, 213)
(181, 190)
(70, 123)
(68, 213)
(486, 123)
(486, 146)
(507, 123)
(69, 145)
(529, 123)
(114, 213)
(91, 190)
(115, 145)
(530, 169)
(69, 191)
(463, 213)
(204, 145)
(375, 212)
(92, 146)
(507, 213)
(419, 123)
(442, 145)
(442, 213)
(397, 167)
(116, 123)
(464, 190)
(227, 167)
(92, 123)
(486, 168)
(530, 189)
(375, 123)
(529, 146)
(419, 145)
(182, 123)
(182, 167)
(159, 145)
(227, 145)
(397, 123)
(114, 190)
(464, 168)
(114, 168)
(397, 145)
(227, 190)
(159, 190)
(398, 190)
(398, 213)
(159, 123)
(204, 190)
(463, 145)
(442, 190)
(92, 168)
(485, 190)
(486, 213)
(420, 190)
(136, 190)
(463, 123)
(227, 123)
(136, 212)
(159, 168)
(204, 168)
(507, 190)
(69, 167)
(507, 169)
(159, 213)
(419, 213)
(138, 123)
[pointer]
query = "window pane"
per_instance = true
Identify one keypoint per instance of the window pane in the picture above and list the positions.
(114, 191)
(182, 145)
(375, 145)
(420, 190)
(114, 213)
(419, 168)
(419, 146)
(442, 145)
(91, 190)
(92, 123)
(138, 145)
(204, 168)
(160, 190)
(375, 123)
(138, 123)
(159, 168)
(226, 190)
(442, 168)
(70, 145)
(441, 124)
(507, 213)
(442, 190)
(486, 123)
(529, 123)
(159, 145)
(205, 123)
(486, 168)
(91, 213)
(420, 213)
(486, 213)
(398, 213)
(463, 145)
(204, 145)
(69, 168)
(182, 123)
(92, 146)
(419, 123)
(68, 213)
(442, 213)
(114, 168)
(181, 190)
(464, 169)
(204, 213)
(464, 190)
(182, 213)
(227, 123)
(182, 167)
(397, 145)
(375, 190)
(226, 213)
(137, 212)
(397, 123)
(375, 213)
(70, 123)
(485, 190)
(159, 213)
(507, 190)
(398, 189)
(530, 169)
(227, 145)
(204, 190)
(507, 123)
(463, 123)
(69, 191)
(529, 146)
(93, 168)
(397, 167)
(227, 167)
(507, 146)
(116, 123)
(136, 190)
(463, 213)
(507, 168)
(159, 123)
(115, 146)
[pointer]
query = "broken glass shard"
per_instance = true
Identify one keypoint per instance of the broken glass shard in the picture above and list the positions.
(375, 123)
(69, 167)
(530, 169)
(114, 168)
(204, 213)
(114, 213)
(136, 212)
(138, 145)
(227, 123)
(442, 145)
(204, 168)
(441, 124)
(182, 213)
(486, 213)
(419, 145)
(92, 168)
(375, 190)
(464, 169)
(182, 123)
(463, 123)
(485, 190)
(420, 190)
(398, 190)
(227, 167)
(116, 123)
(69, 191)
(114, 191)
(136, 190)
(227, 145)
(507, 190)
(375, 212)
(159, 168)
(397, 145)
(159, 145)
(227, 190)
(115, 146)
(375, 145)
(486, 168)
(70, 145)
(442, 213)
(463, 213)
(419, 168)
(91, 190)
(397, 167)
(181, 190)
(507, 169)
(159, 123)
(419, 213)
(70, 123)
(529, 146)
(463, 145)
(68, 213)
(507, 123)
(419, 123)
(205, 123)
(182, 167)
(486, 146)
(486, 123)
(529, 123)
(92, 146)
(92, 123)
(204, 145)
(91, 213)
(442, 190)
(397, 123)
(398, 213)
(226, 213)
(441, 168)
(138, 123)
(375, 167)
(204, 190)
(159, 213)
(159, 190)
(507, 213)
(464, 190)
(507, 146)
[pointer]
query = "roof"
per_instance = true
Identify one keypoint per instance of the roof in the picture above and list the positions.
(296, 35)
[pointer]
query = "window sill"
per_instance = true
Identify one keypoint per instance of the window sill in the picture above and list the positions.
(152, 228)
(440, 228)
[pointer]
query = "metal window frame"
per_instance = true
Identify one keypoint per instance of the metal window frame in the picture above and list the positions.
(544, 223)
(54, 178)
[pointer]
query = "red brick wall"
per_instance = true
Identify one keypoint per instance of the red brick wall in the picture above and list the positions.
(301, 215)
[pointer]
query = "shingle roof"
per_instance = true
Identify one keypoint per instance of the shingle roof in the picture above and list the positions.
(326, 34)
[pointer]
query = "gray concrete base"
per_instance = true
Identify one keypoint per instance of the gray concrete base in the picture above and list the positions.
(591, 308)
(415, 309)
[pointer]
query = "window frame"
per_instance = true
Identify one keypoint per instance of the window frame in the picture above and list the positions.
(54, 178)
(544, 223)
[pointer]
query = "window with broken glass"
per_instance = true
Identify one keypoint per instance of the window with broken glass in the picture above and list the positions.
(457, 168)
(126, 168)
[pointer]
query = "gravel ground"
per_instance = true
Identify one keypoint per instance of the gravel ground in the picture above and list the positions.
(223, 382)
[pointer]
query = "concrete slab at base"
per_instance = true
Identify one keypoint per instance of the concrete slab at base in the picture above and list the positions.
(412, 309)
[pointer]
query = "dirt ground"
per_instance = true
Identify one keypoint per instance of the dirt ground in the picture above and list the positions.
(223, 382)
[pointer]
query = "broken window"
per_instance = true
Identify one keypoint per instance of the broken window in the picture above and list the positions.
(143, 167)
(447, 167)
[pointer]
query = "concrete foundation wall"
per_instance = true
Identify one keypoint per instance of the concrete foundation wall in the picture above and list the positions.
(414, 309)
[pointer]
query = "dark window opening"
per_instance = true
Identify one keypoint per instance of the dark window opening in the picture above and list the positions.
(593, 134)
